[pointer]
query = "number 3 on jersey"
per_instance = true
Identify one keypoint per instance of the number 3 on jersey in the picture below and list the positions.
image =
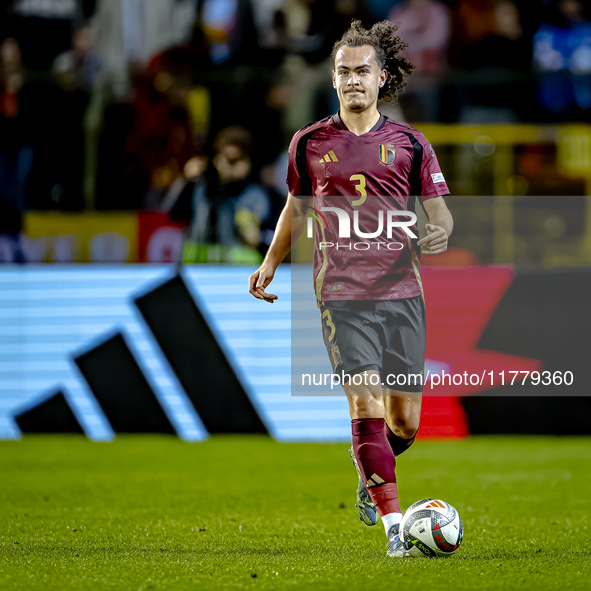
(360, 188)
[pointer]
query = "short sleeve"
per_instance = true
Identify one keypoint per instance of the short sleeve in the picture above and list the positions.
(432, 180)
(298, 180)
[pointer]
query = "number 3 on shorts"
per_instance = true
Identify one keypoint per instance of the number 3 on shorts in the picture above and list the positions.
(329, 323)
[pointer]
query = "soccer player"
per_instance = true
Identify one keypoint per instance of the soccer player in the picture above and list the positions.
(360, 164)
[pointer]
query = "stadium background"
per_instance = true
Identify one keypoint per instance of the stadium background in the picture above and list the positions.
(116, 118)
(142, 166)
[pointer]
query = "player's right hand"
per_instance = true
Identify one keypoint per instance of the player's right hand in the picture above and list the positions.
(261, 279)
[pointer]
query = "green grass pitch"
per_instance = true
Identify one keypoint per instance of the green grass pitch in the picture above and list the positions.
(149, 512)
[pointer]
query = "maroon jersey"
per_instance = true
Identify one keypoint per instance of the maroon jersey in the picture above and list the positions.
(366, 180)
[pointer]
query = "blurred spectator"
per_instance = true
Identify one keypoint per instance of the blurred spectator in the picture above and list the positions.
(328, 20)
(562, 56)
(111, 50)
(56, 109)
(227, 205)
(244, 32)
(43, 28)
(273, 177)
(473, 21)
(505, 47)
(497, 85)
(425, 26)
(220, 21)
(145, 145)
(231, 29)
(11, 77)
(379, 9)
(41, 119)
(16, 152)
(78, 68)
(313, 27)
(191, 58)
(149, 27)
(270, 22)
(77, 72)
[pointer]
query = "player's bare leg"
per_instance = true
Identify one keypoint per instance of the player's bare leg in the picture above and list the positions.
(403, 415)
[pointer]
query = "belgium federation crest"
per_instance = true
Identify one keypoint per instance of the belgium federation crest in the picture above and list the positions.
(387, 153)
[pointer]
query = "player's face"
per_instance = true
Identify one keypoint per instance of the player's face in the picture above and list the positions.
(357, 78)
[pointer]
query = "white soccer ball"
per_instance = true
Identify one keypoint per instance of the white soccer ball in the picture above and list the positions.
(431, 527)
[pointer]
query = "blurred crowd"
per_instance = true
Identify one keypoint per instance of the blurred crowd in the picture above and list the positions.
(186, 107)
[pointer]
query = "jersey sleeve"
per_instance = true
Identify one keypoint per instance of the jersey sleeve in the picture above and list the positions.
(432, 180)
(298, 180)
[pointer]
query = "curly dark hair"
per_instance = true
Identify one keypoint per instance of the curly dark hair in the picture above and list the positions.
(388, 48)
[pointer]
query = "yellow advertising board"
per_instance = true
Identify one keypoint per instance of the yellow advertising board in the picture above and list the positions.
(73, 237)
(574, 150)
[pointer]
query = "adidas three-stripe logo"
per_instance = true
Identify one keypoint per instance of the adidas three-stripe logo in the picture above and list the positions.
(328, 157)
(374, 480)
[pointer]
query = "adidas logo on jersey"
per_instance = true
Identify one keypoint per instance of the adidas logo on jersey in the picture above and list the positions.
(329, 157)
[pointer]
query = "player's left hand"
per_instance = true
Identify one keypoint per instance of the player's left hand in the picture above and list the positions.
(435, 242)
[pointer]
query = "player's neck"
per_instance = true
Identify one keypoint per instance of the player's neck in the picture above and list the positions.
(360, 123)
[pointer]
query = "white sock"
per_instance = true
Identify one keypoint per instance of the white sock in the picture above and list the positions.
(390, 520)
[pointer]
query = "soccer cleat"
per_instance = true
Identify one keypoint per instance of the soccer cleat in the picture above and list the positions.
(396, 547)
(367, 510)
